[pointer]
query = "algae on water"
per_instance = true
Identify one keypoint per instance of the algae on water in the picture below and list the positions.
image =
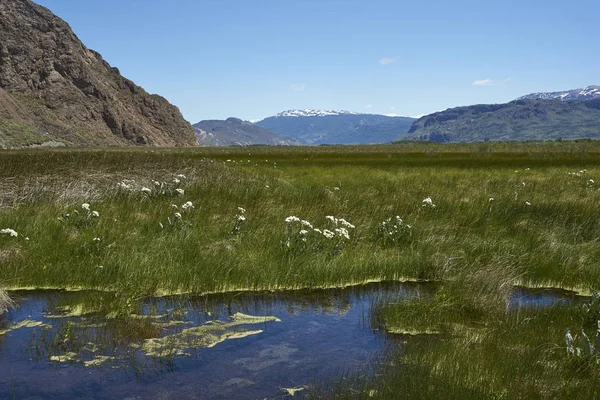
(27, 323)
(207, 335)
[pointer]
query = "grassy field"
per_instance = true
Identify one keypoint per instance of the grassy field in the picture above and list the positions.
(477, 218)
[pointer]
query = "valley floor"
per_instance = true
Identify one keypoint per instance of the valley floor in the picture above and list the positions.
(478, 219)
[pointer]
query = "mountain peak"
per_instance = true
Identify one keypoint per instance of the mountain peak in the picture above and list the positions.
(590, 92)
(314, 113)
(53, 89)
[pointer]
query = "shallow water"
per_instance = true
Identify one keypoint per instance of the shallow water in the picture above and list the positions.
(214, 348)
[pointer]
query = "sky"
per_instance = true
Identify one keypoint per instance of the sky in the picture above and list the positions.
(251, 59)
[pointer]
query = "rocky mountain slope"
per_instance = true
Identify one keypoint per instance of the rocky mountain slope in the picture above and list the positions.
(235, 132)
(336, 127)
(589, 93)
(56, 91)
(528, 119)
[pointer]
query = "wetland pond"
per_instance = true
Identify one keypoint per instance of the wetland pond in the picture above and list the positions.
(247, 345)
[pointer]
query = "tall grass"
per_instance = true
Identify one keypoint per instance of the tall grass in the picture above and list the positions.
(551, 241)
(5, 302)
(505, 214)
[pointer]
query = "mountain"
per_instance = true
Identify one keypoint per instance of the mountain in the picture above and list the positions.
(528, 119)
(589, 93)
(56, 91)
(313, 113)
(235, 132)
(336, 127)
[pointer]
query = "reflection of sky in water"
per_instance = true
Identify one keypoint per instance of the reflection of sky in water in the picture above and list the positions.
(539, 298)
(322, 334)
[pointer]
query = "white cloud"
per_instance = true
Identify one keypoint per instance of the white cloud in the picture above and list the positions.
(368, 105)
(388, 60)
(392, 108)
(298, 87)
(484, 82)
(490, 82)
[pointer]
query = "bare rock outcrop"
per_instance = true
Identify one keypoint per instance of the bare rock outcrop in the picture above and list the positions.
(53, 88)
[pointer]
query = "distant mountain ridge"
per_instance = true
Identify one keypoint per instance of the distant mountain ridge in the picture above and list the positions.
(313, 113)
(336, 127)
(235, 132)
(55, 91)
(589, 93)
(525, 119)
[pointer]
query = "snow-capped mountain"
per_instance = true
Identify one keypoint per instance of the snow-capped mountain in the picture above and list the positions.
(336, 127)
(314, 113)
(589, 93)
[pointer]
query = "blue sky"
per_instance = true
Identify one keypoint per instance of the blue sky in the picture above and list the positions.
(252, 59)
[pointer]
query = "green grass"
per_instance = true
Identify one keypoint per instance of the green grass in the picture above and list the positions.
(552, 242)
(475, 248)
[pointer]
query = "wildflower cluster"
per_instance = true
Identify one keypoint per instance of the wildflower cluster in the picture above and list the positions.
(8, 231)
(83, 218)
(157, 188)
(240, 218)
(428, 203)
(301, 234)
(394, 230)
(178, 212)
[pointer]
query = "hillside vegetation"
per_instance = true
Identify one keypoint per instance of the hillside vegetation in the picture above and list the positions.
(530, 119)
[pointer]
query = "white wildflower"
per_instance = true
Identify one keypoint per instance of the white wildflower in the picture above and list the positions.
(179, 191)
(146, 190)
(266, 186)
(241, 210)
(85, 206)
(124, 185)
(328, 234)
(156, 183)
(186, 205)
(181, 176)
(591, 181)
(9, 231)
(428, 203)
(95, 214)
(303, 232)
(100, 267)
(27, 238)
(161, 225)
(491, 199)
(346, 223)
(96, 239)
(332, 219)
(292, 218)
(176, 181)
(306, 223)
(177, 215)
(336, 188)
(343, 232)
(240, 217)
(527, 169)
(527, 203)
(174, 206)
(317, 230)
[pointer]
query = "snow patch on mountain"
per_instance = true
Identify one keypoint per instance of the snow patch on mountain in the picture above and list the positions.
(590, 92)
(314, 113)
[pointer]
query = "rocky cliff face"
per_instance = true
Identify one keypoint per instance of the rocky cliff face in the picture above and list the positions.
(55, 90)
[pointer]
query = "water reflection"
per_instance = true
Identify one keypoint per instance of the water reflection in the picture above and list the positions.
(235, 345)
